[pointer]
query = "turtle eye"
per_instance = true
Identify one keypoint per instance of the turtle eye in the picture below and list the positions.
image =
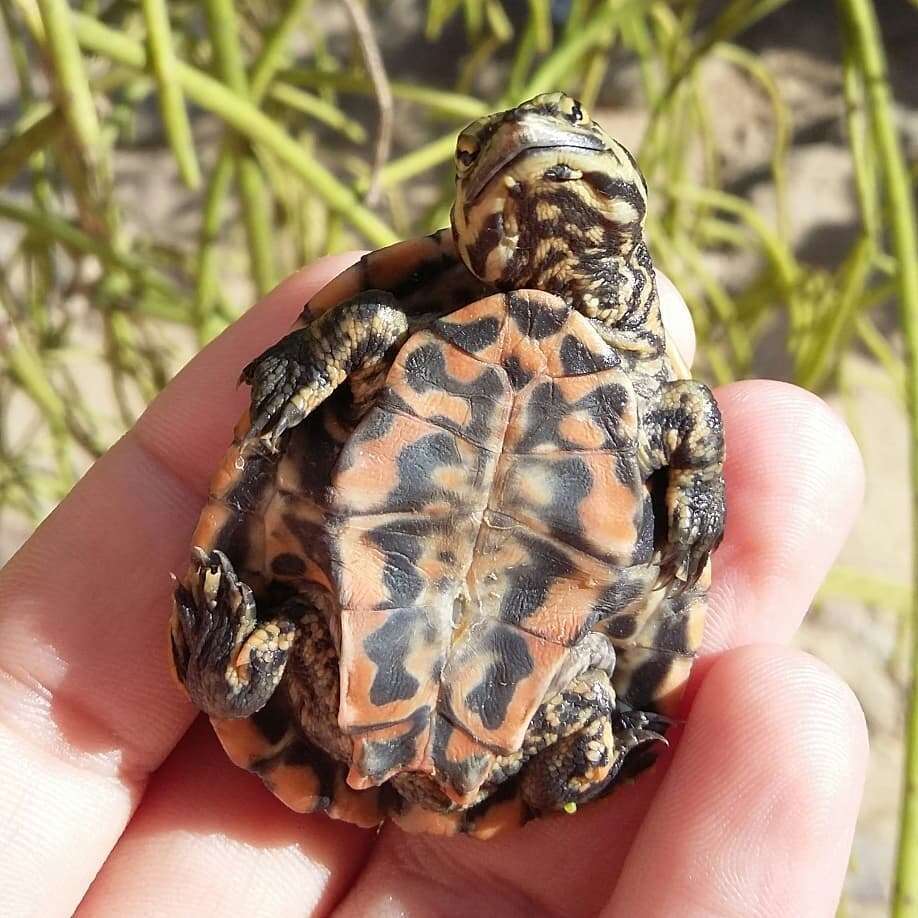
(466, 154)
(573, 110)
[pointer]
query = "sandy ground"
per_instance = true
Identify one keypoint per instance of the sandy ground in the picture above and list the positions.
(863, 643)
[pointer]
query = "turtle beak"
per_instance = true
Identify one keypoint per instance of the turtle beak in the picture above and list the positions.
(514, 139)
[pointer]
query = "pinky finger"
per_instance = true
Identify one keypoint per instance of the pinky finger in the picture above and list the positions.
(756, 814)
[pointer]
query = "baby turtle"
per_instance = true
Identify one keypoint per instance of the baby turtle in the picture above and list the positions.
(452, 569)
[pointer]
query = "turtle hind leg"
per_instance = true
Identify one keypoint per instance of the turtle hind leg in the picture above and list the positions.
(228, 660)
(588, 745)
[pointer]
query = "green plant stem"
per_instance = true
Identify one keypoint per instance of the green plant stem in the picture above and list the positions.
(783, 128)
(78, 241)
(878, 345)
(636, 35)
(553, 70)
(316, 107)
(33, 111)
(207, 286)
(424, 158)
(253, 191)
(75, 93)
(827, 345)
(540, 15)
(19, 55)
(171, 102)
(863, 35)
(476, 62)
(85, 162)
(724, 308)
(472, 10)
(438, 13)
(450, 104)
(273, 52)
(499, 23)
(733, 19)
(782, 259)
(522, 63)
(206, 296)
(256, 212)
(33, 134)
(862, 153)
(247, 119)
(26, 367)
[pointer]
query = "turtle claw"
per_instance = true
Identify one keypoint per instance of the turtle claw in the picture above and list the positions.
(279, 378)
(293, 377)
(228, 661)
(696, 525)
(211, 584)
(638, 736)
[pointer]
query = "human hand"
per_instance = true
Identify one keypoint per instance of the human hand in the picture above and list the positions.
(110, 807)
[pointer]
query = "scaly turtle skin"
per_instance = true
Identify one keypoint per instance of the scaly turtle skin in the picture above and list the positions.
(452, 569)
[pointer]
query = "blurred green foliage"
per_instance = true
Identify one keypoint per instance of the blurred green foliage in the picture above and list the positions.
(291, 161)
(285, 94)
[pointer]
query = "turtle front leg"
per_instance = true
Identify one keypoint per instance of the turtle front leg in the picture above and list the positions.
(682, 432)
(590, 743)
(228, 661)
(294, 376)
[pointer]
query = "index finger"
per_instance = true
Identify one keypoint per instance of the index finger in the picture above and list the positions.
(87, 705)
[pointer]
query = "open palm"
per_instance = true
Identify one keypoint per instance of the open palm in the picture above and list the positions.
(111, 805)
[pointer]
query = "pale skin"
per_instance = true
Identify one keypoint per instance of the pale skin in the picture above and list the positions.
(113, 800)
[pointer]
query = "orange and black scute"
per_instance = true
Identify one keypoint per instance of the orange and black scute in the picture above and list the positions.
(484, 508)
(477, 523)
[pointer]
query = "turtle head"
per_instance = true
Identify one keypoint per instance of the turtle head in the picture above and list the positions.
(540, 188)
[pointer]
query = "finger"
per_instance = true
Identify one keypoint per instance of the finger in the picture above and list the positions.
(210, 840)
(756, 814)
(794, 483)
(87, 704)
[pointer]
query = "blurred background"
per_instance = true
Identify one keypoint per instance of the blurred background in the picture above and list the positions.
(162, 164)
